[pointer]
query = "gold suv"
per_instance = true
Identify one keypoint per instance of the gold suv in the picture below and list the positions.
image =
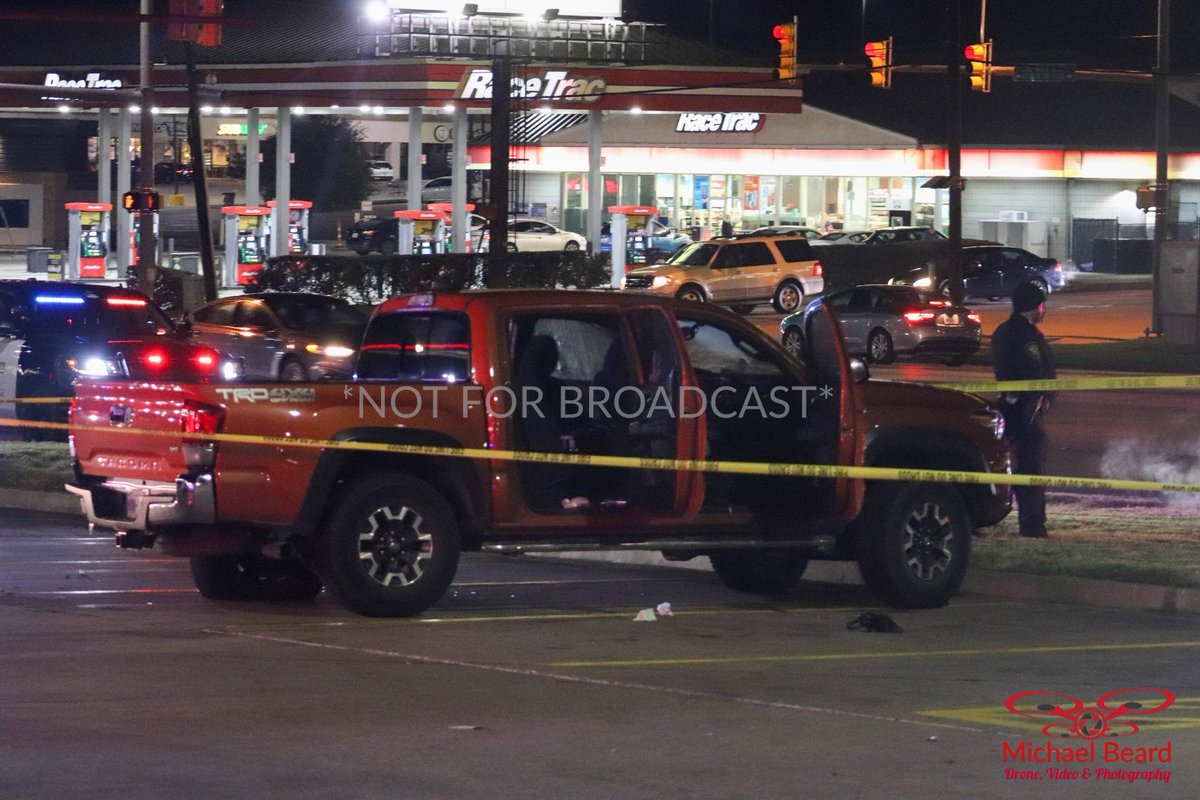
(740, 272)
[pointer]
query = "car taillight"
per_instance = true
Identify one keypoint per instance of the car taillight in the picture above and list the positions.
(818, 270)
(976, 318)
(1057, 266)
(939, 302)
(155, 359)
(207, 360)
(918, 317)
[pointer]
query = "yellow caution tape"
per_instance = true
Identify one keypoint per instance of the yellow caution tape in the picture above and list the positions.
(631, 462)
(36, 400)
(1079, 384)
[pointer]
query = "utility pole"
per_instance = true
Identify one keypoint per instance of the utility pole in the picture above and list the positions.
(1162, 128)
(500, 141)
(146, 246)
(954, 108)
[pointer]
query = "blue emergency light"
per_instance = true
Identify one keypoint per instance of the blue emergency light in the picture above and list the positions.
(58, 299)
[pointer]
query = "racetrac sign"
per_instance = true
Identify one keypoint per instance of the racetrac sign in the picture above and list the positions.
(91, 81)
(741, 122)
(551, 85)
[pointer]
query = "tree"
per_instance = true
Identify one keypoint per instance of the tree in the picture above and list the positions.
(329, 167)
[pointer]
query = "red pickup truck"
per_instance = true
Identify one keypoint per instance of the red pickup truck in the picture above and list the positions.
(549, 372)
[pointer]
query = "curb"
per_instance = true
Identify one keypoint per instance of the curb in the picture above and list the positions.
(1010, 585)
(35, 500)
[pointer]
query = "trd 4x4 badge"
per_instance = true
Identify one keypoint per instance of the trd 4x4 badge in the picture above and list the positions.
(1074, 718)
(261, 395)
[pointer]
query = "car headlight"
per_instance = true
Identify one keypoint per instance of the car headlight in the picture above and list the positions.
(94, 367)
(233, 369)
(333, 350)
(923, 283)
(660, 281)
(622, 283)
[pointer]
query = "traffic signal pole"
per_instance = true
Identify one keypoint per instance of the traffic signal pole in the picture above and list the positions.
(146, 245)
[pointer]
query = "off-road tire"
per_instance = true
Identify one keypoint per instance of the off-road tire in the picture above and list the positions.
(250, 576)
(914, 543)
(759, 571)
(391, 547)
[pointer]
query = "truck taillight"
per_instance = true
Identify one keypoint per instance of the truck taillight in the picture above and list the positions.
(818, 270)
(200, 419)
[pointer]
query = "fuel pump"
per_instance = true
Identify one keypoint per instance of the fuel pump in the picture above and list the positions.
(448, 209)
(420, 232)
(630, 230)
(87, 239)
(245, 239)
(298, 211)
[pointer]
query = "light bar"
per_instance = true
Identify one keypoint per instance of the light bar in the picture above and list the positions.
(58, 299)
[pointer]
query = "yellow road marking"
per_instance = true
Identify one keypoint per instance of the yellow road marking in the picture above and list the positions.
(1184, 713)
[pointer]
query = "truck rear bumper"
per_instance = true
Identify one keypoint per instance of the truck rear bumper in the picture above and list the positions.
(130, 506)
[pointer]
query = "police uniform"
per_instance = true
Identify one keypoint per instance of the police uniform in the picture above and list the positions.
(1019, 353)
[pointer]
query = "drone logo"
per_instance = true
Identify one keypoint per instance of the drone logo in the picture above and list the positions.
(1073, 718)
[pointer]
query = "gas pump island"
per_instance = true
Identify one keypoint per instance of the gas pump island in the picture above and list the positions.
(420, 232)
(630, 232)
(298, 211)
(88, 226)
(246, 229)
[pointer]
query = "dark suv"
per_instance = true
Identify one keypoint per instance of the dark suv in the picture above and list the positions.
(373, 236)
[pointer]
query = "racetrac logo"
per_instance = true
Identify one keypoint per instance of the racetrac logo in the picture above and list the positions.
(552, 85)
(740, 122)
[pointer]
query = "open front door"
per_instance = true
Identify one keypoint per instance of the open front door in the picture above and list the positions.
(829, 369)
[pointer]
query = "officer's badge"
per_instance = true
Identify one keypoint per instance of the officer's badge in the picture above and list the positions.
(1033, 352)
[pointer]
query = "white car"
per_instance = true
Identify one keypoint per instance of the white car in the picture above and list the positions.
(438, 190)
(380, 170)
(532, 235)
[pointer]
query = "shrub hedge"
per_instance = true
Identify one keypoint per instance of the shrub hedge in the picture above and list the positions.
(373, 279)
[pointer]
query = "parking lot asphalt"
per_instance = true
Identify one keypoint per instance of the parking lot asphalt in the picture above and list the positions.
(532, 680)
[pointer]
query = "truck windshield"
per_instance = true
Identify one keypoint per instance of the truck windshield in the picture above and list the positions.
(424, 346)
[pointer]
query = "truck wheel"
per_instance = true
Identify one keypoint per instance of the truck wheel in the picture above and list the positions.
(759, 571)
(252, 577)
(914, 542)
(391, 548)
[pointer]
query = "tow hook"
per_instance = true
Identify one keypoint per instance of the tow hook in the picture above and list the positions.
(135, 540)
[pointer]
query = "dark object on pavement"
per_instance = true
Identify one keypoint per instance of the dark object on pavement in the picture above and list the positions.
(874, 622)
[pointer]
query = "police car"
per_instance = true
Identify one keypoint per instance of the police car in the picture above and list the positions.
(52, 333)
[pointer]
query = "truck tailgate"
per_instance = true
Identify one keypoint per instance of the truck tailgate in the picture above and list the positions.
(106, 418)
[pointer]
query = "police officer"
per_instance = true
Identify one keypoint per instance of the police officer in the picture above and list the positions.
(1019, 353)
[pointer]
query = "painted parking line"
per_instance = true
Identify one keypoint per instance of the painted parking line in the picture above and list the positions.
(1184, 713)
(865, 656)
(560, 678)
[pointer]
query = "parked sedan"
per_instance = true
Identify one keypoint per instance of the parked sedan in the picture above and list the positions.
(787, 230)
(663, 239)
(885, 321)
(994, 271)
(381, 170)
(843, 237)
(286, 336)
(533, 235)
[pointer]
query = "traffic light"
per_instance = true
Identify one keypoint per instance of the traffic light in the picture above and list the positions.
(880, 55)
(785, 34)
(979, 65)
(141, 201)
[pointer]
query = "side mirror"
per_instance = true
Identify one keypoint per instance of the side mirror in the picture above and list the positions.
(859, 371)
